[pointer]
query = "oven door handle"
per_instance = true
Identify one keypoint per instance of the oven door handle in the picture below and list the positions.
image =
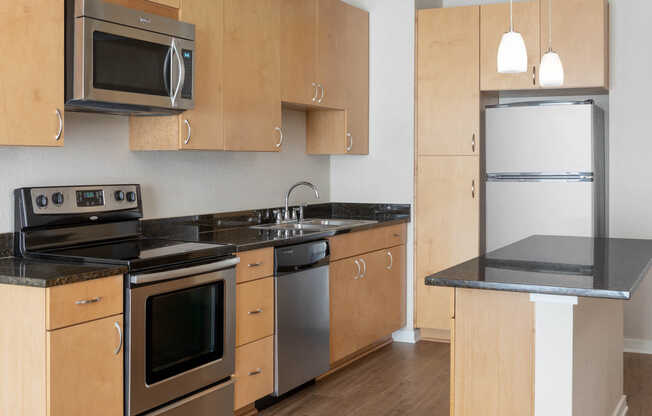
(141, 278)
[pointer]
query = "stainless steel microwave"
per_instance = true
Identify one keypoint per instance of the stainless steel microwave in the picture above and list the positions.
(123, 61)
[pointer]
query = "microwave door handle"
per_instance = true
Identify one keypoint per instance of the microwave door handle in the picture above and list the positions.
(181, 73)
(166, 72)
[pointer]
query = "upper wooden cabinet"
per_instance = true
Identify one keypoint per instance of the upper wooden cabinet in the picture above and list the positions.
(494, 22)
(32, 99)
(580, 35)
(252, 75)
(448, 92)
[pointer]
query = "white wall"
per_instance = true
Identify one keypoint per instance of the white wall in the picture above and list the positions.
(174, 183)
(386, 174)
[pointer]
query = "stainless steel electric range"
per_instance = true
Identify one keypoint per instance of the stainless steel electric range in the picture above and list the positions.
(179, 296)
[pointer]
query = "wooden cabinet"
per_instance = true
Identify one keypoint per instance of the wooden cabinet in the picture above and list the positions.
(85, 369)
(299, 51)
(447, 231)
(169, 3)
(32, 83)
(255, 310)
(331, 48)
(494, 20)
(202, 127)
(76, 369)
(254, 371)
(448, 94)
(255, 264)
(367, 295)
(252, 75)
(580, 35)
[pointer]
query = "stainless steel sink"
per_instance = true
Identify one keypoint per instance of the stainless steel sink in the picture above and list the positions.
(316, 225)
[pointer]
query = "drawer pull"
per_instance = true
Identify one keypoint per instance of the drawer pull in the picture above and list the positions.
(88, 301)
(357, 275)
(117, 327)
(364, 268)
(397, 235)
(255, 264)
(256, 372)
(256, 312)
(391, 260)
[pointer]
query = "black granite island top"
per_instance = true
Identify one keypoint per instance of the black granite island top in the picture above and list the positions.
(42, 273)
(234, 228)
(575, 266)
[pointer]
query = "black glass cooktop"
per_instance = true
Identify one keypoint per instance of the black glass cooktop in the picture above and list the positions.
(142, 253)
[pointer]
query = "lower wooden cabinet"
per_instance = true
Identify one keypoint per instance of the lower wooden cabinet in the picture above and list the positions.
(85, 369)
(254, 310)
(367, 300)
(254, 371)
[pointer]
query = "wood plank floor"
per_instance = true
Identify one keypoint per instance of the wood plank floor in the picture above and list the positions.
(407, 379)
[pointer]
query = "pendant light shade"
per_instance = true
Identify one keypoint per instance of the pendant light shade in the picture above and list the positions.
(551, 73)
(512, 53)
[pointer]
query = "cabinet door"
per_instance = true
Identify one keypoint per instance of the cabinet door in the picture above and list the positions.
(85, 369)
(299, 51)
(346, 308)
(448, 92)
(330, 50)
(447, 228)
(252, 79)
(254, 372)
(32, 81)
(494, 20)
(201, 127)
(386, 279)
(580, 35)
(356, 59)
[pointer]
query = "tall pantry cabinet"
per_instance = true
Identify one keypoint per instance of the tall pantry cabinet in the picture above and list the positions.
(447, 208)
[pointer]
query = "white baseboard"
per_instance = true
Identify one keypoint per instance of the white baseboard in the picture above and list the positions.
(406, 335)
(621, 409)
(640, 346)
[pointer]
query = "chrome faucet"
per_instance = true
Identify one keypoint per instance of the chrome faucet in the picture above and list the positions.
(286, 213)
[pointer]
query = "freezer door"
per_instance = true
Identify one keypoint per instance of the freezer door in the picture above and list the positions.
(549, 138)
(517, 210)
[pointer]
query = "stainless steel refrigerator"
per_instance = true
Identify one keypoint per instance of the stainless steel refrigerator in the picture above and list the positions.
(545, 166)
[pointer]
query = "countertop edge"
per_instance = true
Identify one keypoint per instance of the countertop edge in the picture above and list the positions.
(64, 279)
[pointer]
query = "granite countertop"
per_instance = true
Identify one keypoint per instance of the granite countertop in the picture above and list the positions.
(574, 266)
(42, 273)
(235, 228)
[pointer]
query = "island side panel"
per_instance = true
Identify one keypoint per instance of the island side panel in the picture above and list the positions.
(598, 343)
(493, 350)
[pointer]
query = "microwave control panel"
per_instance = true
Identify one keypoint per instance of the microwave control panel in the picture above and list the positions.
(186, 92)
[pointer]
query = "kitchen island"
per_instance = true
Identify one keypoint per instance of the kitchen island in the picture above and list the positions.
(537, 326)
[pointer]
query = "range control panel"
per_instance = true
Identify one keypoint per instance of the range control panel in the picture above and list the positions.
(84, 199)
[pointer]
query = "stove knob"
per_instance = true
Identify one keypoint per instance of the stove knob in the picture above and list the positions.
(119, 196)
(57, 198)
(41, 201)
(131, 196)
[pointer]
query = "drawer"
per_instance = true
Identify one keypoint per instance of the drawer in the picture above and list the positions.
(169, 3)
(254, 371)
(255, 264)
(82, 302)
(356, 243)
(254, 310)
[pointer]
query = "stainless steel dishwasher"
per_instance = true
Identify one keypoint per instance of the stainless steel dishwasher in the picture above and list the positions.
(302, 336)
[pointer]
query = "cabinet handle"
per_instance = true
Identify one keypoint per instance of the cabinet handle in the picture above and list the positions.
(534, 75)
(314, 97)
(364, 268)
(473, 143)
(391, 260)
(323, 92)
(357, 276)
(256, 372)
(88, 301)
(281, 137)
(117, 327)
(189, 136)
(256, 312)
(350, 142)
(473, 189)
(57, 137)
(260, 263)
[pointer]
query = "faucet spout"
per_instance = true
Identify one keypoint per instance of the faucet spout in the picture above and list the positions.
(287, 196)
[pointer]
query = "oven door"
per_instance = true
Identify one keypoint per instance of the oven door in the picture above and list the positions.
(181, 334)
(123, 66)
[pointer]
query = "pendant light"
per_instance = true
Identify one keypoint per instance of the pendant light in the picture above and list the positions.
(551, 73)
(512, 54)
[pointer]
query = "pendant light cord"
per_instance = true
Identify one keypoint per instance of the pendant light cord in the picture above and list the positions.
(549, 25)
(511, 17)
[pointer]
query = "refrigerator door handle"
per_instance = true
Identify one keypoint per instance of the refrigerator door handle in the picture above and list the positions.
(540, 177)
